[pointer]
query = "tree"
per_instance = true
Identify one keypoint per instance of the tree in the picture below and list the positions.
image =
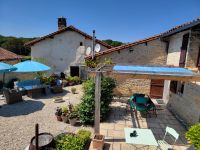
(113, 43)
(15, 45)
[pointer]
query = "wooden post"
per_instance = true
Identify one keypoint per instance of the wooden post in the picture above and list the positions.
(36, 136)
(97, 102)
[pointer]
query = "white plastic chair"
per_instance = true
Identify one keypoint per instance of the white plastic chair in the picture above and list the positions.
(162, 144)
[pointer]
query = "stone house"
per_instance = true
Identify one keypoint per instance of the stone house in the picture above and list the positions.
(64, 50)
(179, 46)
(9, 57)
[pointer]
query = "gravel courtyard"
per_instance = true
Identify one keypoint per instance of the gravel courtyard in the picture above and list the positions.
(17, 121)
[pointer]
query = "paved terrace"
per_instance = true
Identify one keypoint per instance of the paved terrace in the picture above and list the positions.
(120, 118)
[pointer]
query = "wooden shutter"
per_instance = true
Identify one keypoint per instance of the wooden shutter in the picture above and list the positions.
(183, 50)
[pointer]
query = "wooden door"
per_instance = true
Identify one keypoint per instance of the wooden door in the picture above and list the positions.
(183, 50)
(156, 88)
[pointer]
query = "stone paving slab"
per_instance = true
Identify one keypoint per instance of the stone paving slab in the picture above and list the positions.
(120, 118)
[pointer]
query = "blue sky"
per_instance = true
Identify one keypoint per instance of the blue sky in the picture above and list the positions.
(123, 20)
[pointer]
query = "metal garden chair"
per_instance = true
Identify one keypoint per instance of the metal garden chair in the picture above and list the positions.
(162, 144)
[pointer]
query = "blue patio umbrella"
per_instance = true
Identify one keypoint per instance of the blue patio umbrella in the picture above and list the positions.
(6, 68)
(31, 66)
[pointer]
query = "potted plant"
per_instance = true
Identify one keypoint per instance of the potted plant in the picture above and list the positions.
(98, 141)
(65, 114)
(58, 113)
(73, 114)
(73, 117)
(73, 90)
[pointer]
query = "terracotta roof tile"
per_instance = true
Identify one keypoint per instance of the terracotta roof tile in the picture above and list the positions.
(143, 40)
(69, 28)
(8, 55)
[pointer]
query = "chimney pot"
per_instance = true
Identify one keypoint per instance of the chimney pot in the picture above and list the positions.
(62, 23)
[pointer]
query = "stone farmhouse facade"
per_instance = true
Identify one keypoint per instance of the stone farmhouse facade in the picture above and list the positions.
(180, 46)
(64, 50)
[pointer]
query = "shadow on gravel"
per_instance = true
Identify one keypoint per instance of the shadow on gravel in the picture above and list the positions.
(21, 108)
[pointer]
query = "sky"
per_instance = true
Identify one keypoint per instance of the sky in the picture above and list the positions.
(122, 20)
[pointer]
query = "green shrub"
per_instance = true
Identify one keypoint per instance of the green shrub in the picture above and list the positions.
(84, 135)
(87, 106)
(73, 90)
(74, 79)
(69, 142)
(193, 136)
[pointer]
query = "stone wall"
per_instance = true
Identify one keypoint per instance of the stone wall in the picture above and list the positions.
(127, 85)
(193, 51)
(187, 105)
(20, 76)
(152, 53)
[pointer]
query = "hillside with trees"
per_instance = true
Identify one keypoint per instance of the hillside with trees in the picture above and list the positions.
(15, 44)
(113, 43)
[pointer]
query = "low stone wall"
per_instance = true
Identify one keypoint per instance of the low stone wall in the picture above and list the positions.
(187, 105)
(127, 85)
(20, 76)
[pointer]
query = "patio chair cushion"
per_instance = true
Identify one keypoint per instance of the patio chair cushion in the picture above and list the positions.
(141, 107)
(141, 100)
(21, 85)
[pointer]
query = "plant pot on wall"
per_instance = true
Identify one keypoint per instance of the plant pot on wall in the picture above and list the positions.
(98, 141)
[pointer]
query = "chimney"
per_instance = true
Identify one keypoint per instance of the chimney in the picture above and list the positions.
(61, 23)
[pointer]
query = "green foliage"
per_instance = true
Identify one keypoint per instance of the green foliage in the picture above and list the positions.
(46, 79)
(91, 63)
(84, 135)
(108, 61)
(69, 142)
(15, 45)
(74, 79)
(193, 135)
(113, 43)
(65, 109)
(87, 106)
(73, 90)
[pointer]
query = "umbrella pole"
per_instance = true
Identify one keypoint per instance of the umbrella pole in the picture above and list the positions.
(3, 79)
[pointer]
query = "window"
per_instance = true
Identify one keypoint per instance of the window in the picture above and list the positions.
(81, 43)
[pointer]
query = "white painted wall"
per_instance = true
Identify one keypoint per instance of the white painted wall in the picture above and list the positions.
(62, 51)
(174, 48)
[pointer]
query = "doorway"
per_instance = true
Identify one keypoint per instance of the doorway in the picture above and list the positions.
(156, 88)
(74, 71)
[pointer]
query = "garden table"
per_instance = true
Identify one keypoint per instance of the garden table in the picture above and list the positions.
(144, 137)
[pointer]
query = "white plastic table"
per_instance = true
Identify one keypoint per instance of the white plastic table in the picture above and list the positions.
(144, 137)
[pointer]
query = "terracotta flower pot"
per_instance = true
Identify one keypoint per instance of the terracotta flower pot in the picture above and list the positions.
(59, 118)
(72, 121)
(65, 119)
(98, 142)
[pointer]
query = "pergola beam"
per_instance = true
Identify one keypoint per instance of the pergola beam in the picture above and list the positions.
(164, 77)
